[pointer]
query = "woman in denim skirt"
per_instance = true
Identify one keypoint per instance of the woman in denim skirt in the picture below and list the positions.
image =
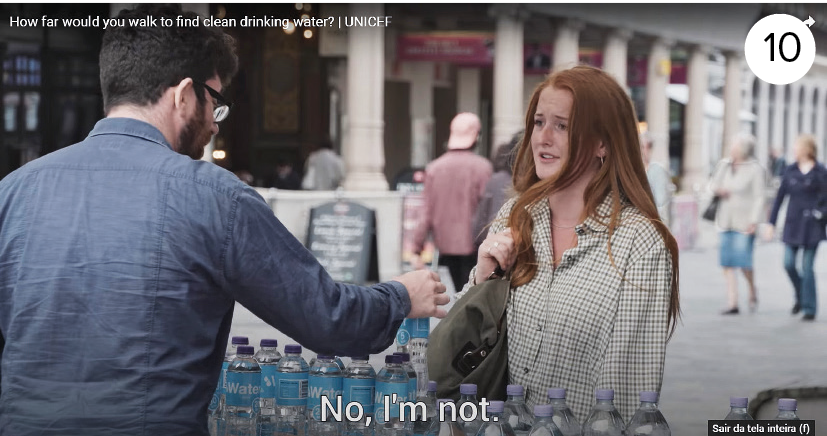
(739, 182)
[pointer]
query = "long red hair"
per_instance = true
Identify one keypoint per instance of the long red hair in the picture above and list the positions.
(601, 113)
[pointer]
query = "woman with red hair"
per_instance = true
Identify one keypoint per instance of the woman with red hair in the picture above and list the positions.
(593, 269)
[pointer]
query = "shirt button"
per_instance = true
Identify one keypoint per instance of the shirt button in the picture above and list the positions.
(580, 231)
(539, 328)
(525, 370)
(569, 258)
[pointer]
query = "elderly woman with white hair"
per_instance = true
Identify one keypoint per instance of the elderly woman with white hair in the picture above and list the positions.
(739, 183)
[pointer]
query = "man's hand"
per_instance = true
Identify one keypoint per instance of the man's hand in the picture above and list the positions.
(427, 293)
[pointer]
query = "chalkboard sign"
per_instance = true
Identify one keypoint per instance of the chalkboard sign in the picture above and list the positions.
(342, 235)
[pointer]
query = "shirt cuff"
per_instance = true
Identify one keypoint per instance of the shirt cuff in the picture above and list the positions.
(402, 296)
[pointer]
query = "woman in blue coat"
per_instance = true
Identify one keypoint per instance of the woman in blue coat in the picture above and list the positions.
(805, 182)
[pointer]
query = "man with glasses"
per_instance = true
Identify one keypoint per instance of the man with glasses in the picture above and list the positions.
(122, 256)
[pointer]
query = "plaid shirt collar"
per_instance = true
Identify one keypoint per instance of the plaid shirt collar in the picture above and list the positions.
(597, 223)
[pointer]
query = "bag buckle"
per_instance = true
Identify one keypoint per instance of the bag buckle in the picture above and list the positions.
(470, 357)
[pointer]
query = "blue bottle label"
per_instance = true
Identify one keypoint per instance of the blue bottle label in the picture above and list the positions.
(243, 389)
(359, 390)
(420, 327)
(318, 387)
(291, 388)
(268, 381)
(386, 389)
(404, 333)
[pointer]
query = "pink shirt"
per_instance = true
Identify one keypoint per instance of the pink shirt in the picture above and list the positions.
(454, 183)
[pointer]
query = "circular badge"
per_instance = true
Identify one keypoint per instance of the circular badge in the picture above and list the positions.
(780, 49)
(402, 337)
(214, 401)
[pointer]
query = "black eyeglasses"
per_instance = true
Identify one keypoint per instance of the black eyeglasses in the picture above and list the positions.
(221, 104)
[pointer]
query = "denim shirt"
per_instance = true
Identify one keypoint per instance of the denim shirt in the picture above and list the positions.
(120, 262)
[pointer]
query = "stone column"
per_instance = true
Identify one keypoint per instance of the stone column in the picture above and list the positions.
(363, 148)
(422, 112)
(508, 76)
(807, 109)
(657, 102)
(763, 128)
(732, 99)
(567, 44)
(793, 127)
(779, 105)
(615, 54)
(694, 156)
(821, 120)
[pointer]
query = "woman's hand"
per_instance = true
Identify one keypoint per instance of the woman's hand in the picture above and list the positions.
(496, 249)
(769, 232)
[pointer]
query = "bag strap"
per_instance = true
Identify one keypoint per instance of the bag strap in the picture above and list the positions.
(469, 358)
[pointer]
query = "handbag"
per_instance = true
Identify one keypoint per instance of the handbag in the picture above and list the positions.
(470, 344)
(712, 209)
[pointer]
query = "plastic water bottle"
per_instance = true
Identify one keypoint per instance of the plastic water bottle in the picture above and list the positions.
(468, 394)
(648, 421)
(423, 423)
(604, 419)
(403, 336)
(787, 408)
(738, 409)
(563, 417)
(391, 380)
(268, 357)
(496, 425)
(446, 422)
(291, 391)
(216, 408)
(412, 381)
(544, 422)
(359, 386)
(419, 353)
(324, 380)
(242, 396)
(516, 412)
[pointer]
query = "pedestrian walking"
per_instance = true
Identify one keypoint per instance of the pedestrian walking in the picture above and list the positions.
(454, 183)
(739, 182)
(805, 184)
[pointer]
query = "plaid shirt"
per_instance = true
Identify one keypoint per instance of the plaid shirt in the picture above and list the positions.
(582, 326)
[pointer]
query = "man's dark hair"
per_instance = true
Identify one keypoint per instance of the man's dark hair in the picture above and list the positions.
(138, 63)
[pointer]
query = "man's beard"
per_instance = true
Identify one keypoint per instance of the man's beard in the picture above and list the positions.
(195, 135)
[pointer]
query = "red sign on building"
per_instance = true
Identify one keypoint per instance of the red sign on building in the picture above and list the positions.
(464, 49)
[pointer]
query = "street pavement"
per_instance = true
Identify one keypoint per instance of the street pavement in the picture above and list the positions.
(711, 357)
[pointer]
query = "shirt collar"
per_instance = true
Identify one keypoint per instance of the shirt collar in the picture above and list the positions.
(131, 127)
(595, 223)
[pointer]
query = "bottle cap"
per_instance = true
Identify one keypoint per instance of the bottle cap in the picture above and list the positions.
(787, 404)
(393, 358)
(360, 358)
(431, 386)
(543, 410)
(604, 394)
(293, 349)
(514, 390)
(648, 397)
(246, 349)
(557, 393)
(240, 340)
(324, 357)
(404, 356)
(496, 407)
(738, 401)
(269, 343)
(468, 389)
